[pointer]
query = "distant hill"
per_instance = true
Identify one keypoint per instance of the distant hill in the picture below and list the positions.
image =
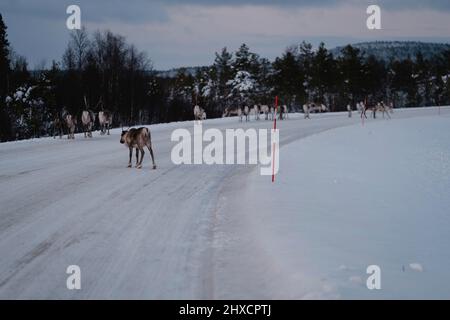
(397, 50)
(383, 50)
(172, 73)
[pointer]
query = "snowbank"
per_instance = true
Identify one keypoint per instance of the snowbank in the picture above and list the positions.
(344, 199)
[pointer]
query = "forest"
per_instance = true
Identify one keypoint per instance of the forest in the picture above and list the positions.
(102, 71)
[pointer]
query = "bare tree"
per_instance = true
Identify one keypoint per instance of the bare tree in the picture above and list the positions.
(80, 44)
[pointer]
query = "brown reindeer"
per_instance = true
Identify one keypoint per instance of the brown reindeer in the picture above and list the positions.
(364, 109)
(138, 139)
(58, 124)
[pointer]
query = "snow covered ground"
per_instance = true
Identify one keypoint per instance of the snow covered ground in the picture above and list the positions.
(345, 199)
(198, 231)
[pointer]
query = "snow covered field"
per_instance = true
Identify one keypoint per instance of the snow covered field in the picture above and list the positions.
(346, 199)
(346, 196)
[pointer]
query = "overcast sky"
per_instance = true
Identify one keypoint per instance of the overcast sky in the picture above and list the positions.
(187, 32)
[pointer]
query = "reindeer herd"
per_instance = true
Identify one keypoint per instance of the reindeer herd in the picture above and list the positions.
(245, 113)
(386, 110)
(257, 111)
(65, 121)
(140, 138)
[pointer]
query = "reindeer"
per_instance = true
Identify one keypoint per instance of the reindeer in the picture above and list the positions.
(271, 113)
(241, 113)
(105, 119)
(229, 112)
(317, 107)
(199, 113)
(313, 107)
(285, 111)
(364, 109)
(255, 110)
(87, 120)
(358, 107)
(138, 139)
(384, 109)
(280, 113)
(265, 110)
(58, 125)
(306, 111)
(71, 123)
(246, 113)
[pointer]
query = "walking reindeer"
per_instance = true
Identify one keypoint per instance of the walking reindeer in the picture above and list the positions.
(138, 139)
(380, 106)
(306, 111)
(58, 126)
(87, 120)
(265, 110)
(71, 124)
(199, 113)
(384, 109)
(364, 109)
(255, 111)
(105, 119)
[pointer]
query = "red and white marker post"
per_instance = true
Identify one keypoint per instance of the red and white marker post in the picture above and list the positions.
(274, 144)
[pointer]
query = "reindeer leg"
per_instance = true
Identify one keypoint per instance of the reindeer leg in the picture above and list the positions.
(131, 155)
(142, 158)
(149, 146)
(137, 157)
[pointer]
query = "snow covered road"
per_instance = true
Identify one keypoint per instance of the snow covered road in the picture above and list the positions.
(134, 233)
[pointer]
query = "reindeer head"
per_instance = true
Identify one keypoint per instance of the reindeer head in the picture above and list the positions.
(123, 136)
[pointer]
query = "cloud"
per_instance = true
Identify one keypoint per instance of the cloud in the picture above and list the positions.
(136, 11)
(388, 4)
(188, 32)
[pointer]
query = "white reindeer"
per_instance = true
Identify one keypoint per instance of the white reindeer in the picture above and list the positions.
(285, 112)
(384, 109)
(105, 119)
(87, 120)
(272, 113)
(71, 123)
(265, 110)
(198, 112)
(255, 110)
(306, 111)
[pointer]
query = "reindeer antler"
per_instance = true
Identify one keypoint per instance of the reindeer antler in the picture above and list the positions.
(85, 102)
(99, 102)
